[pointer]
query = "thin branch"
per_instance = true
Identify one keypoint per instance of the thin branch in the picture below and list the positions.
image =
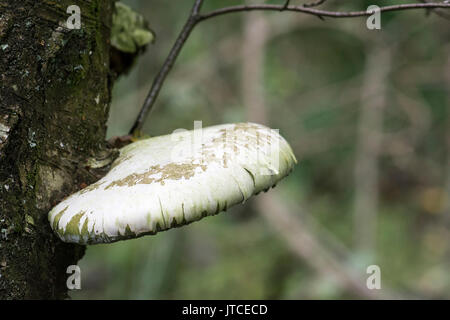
(439, 12)
(317, 12)
(319, 249)
(167, 66)
(369, 147)
(447, 182)
(195, 17)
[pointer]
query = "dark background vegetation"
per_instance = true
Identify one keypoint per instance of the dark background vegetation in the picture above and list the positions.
(367, 114)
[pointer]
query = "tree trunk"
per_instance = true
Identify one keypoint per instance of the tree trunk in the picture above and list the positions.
(54, 100)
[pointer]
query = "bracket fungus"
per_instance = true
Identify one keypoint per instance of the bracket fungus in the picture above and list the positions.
(168, 181)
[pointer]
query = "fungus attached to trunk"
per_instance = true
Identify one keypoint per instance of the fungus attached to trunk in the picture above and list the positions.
(169, 181)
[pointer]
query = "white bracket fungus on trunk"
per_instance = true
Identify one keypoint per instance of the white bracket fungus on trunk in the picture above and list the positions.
(168, 181)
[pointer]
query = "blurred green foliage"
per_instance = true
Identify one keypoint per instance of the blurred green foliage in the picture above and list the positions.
(313, 74)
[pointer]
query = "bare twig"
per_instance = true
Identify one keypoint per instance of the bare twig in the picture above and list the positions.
(195, 17)
(439, 12)
(167, 66)
(317, 12)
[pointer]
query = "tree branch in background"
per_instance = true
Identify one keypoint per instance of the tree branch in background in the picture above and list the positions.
(305, 245)
(439, 12)
(167, 66)
(447, 181)
(368, 149)
(327, 256)
(317, 12)
(195, 17)
(255, 36)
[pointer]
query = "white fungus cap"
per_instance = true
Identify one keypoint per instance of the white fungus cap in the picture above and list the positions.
(168, 181)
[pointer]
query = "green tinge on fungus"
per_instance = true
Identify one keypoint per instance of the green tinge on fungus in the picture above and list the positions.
(148, 190)
(72, 228)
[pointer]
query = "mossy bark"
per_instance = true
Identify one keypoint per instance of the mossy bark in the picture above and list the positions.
(54, 98)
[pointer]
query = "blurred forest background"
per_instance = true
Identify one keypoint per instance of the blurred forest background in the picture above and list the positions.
(367, 113)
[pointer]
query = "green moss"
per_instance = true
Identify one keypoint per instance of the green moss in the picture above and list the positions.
(129, 31)
(57, 218)
(57, 112)
(29, 219)
(73, 227)
(128, 232)
(84, 229)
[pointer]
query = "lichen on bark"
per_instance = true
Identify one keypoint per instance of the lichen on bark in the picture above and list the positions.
(54, 99)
